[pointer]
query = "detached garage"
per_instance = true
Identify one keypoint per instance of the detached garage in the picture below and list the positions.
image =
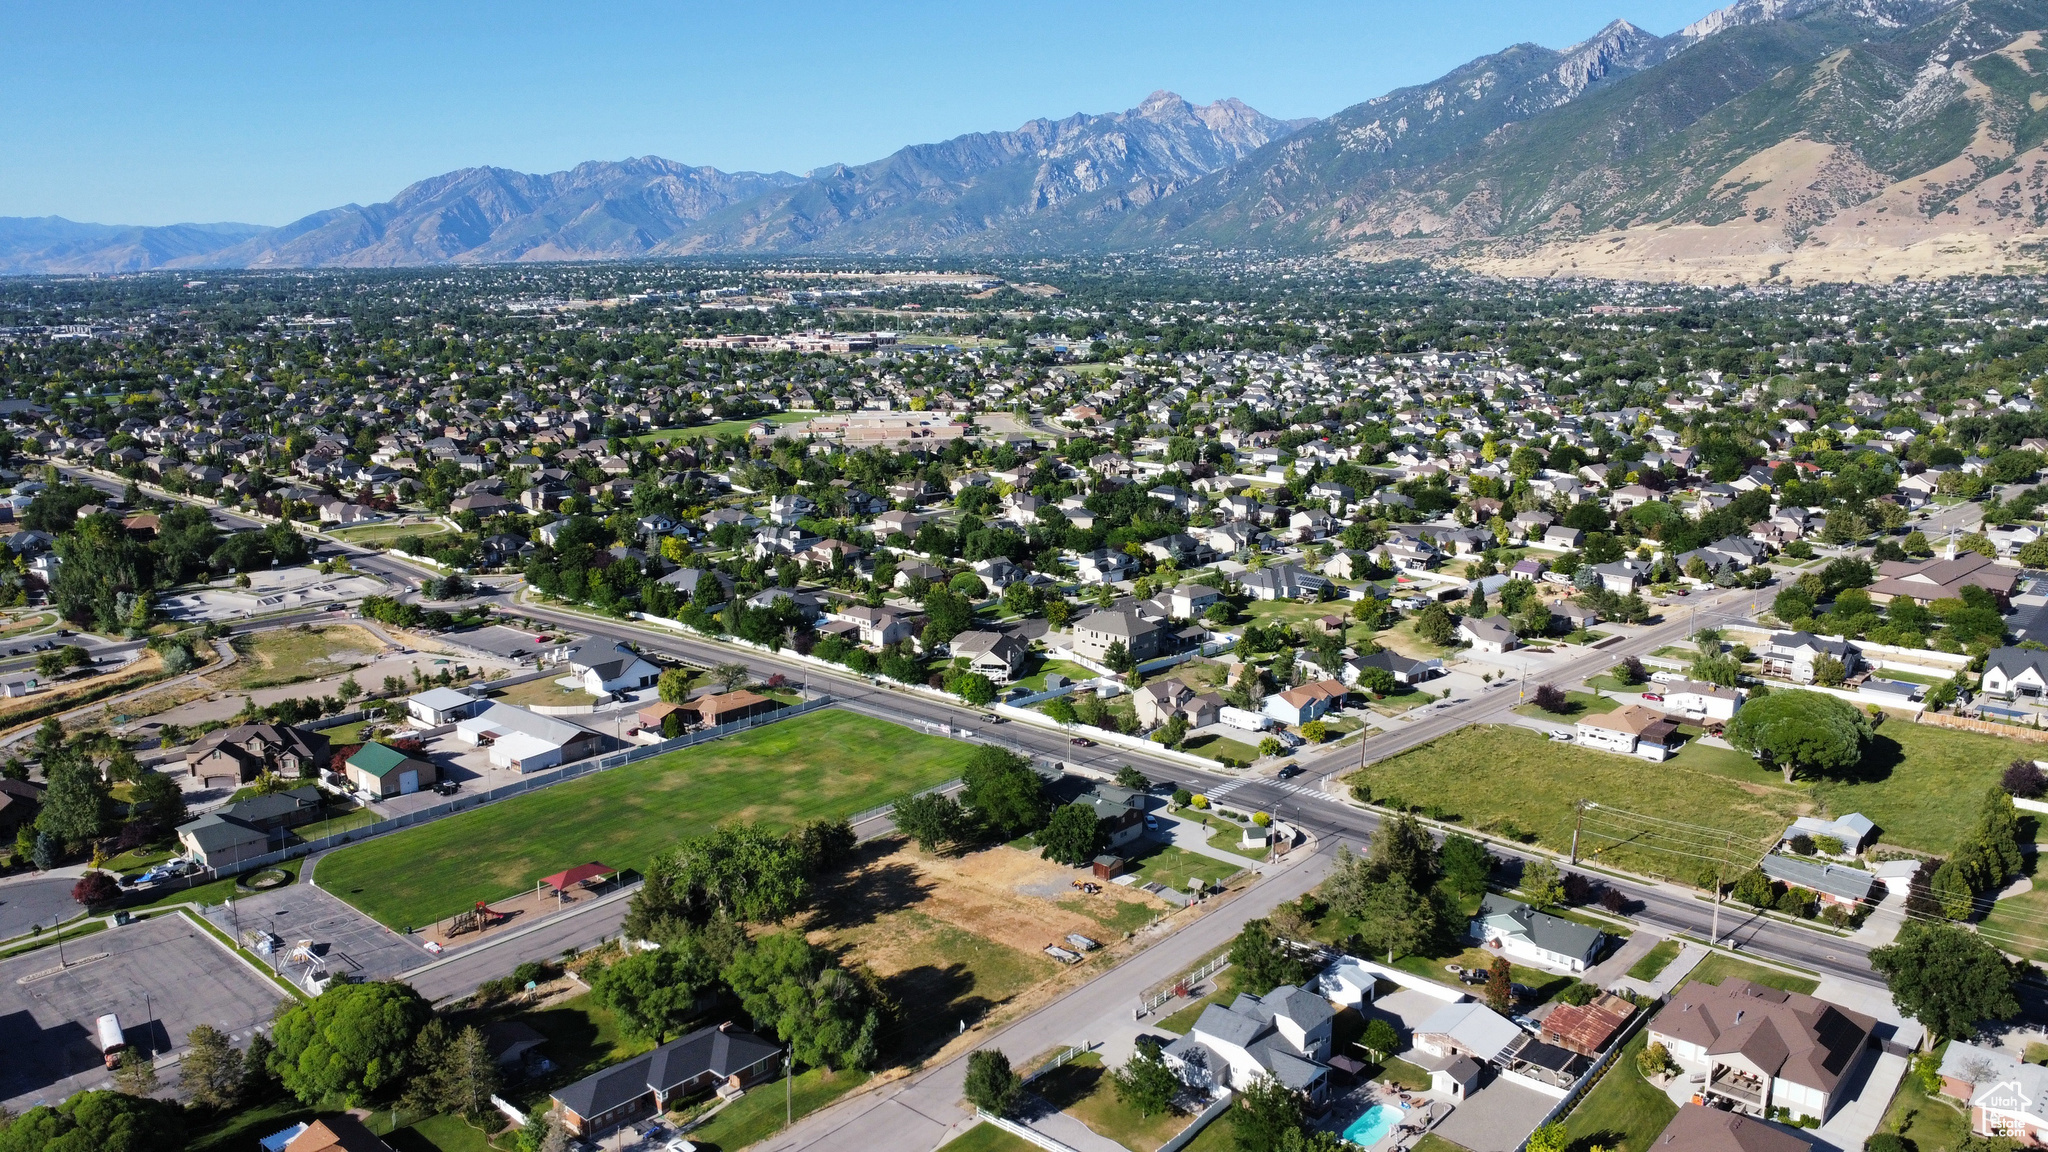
(381, 770)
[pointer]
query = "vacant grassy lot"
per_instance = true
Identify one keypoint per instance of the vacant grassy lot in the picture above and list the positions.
(1173, 867)
(1513, 778)
(987, 1138)
(1220, 748)
(826, 764)
(386, 535)
(723, 428)
(1577, 706)
(545, 693)
(288, 655)
(1623, 1110)
(1921, 784)
(1718, 967)
(2019, 924)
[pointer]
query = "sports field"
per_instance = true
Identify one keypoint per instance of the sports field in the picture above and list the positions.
(826, 764)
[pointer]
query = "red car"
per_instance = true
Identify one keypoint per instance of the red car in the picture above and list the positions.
(1658, 697)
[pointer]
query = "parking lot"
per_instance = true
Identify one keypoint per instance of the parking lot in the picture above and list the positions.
(509, 643)
(344, 941)
(163, 976)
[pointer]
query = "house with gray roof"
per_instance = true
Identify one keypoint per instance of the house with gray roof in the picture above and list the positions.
(1523, 933)
(1285, 1034)
(1853, 830)
(2010, 672)
(1791, 655)
(1835, 883)
(719, 1057)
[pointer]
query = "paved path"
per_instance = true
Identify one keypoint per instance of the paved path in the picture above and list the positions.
(1193, 837)
(918, 1112)
(44, 900)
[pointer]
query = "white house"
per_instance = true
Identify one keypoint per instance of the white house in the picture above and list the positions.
(2010, 672)
(1759, 1048)
(527, 741)
(1298, 706)
(438, 706)
(1698, 700)
(605, 666)
(1346, 981)
(1523, 933)
(1632, 730)
(1285, 1034)
(1467, 1028)
(1492, 634)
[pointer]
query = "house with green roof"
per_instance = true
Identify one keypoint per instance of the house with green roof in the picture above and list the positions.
(381, 770)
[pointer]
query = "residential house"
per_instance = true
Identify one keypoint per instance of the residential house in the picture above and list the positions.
(1162, 700)
(381, 771)
(1854, 831)
(996, 655)
(1623, 576)
(1587, 1029)
(875, 627)
(1837, 884)
(20, 802)
(605, 665)
(1763, 1048)
(1791, 654)
(1405, 669)
(1492, 634)
(1698, 1129)
(230, 757)
(1120, 810)
(687, 581)
(1468, 1028)
(1098, 630)
(1699, 701)
(1285, 1034)
(1522, 933)
(1191, 600)
(337, 1133)
(714, 708)
(1631, 730)
(1284, 582)
(1298, 706)
(1104, 566)
(2011, 672)
(218, 840)
(701, 1061)
(2005, 1096)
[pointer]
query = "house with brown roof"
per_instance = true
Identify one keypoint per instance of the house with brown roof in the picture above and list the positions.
(724, 708)
(1162, 700)
(1587, 1029)
(1697, 1129)
(1926, 581)
(342, 1133)
(1761, 1048)
(1631, 730)
(230, 757)
(1300, 705)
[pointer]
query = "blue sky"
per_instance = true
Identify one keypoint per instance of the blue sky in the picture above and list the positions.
(149, 113)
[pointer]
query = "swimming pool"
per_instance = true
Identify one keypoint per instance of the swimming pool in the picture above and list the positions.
(1373, 1125)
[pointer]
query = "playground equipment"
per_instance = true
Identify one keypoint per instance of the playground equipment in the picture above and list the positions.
(476, 919)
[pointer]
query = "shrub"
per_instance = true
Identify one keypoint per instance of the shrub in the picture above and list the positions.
(95, 889)
(1802, 844)
(1199, 800)
(2024, 779)
(1551, 698)
(1613, 900)
(1181, 797)
(1261, 819)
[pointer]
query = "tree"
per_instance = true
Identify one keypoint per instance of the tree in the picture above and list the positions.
(1716, 668)
(1948, 978)
(1073, 836)
(1755, 889)
(349, 1043)
(1500, 987)
(210, 1072)
(653, 993)
(932, 819)
(1654, 1060)
(74, 804)
(1003, 791)
(1378, 681)
(1380, 1038)
(158, 797)
(136, 1073)
(1551, 698)
(349, 689)
(730, 676)
(991, 1084)
(1261, 961)
(97, 1121)
(1466, 864)
(1802, 731)
(1629, 671)
(1549, 1138)
(1061, 711)
(1403, 847)
(1434, 625)
(1828, 672)
(468, 1075)
(1542, 883)
(1117, 658)
(674, 685)
(1145, 1083)
(1268, 1114)
(1129, 777)
(95, 890)
(2023, 778)
(1397, 919)
(740, 870)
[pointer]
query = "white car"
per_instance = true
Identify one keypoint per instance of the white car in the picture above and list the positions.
(1561, 737)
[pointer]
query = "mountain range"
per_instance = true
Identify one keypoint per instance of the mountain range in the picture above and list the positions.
(1809, 139)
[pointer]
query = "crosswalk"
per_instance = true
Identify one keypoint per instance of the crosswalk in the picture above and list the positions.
(1309, 790)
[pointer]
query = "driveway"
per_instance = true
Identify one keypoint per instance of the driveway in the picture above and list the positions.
(1497, 1118)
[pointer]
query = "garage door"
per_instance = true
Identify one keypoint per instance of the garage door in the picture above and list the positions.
(408, 782)
(222, 781)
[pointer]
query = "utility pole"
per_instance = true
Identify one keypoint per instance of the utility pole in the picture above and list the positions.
(1716, 937)
(788, 1090)
(1578, 822)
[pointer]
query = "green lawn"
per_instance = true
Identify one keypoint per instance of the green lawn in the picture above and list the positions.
(50, 938)
(1221, 748)
(825, 764)
(1577, 705)
(1922, 784)
(723, 428)
(2020, 923)
(988, 1138)
(1718, 967)
(1623, 1110)
(1185, 1018)
(1512, 779)
(1173, 867)
(1072, 671)
(386, 535)
(350, 733)
(761, 1112)
(1082, 1089)
(1431, 1142)
(544, 693)
(1227, 839)
(1932, 1123)
(239, 1131)
(1654, 961)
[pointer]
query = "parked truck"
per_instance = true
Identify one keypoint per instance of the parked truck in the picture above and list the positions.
(112, 1039)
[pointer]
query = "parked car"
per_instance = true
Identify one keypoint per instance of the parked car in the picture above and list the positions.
(1561, 737)
(1658, 697)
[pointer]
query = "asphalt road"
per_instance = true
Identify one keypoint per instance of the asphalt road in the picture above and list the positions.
(27, 903)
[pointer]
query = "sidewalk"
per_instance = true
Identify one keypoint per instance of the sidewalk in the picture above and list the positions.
(1192, 837)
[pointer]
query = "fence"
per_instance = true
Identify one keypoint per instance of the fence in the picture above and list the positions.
(1943, 720)
(867, 814)
(537, 781)
(1061, 1059)
(1150, 1000)
(1023, 1132)
(1594, 1073)
(1203, 1119)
